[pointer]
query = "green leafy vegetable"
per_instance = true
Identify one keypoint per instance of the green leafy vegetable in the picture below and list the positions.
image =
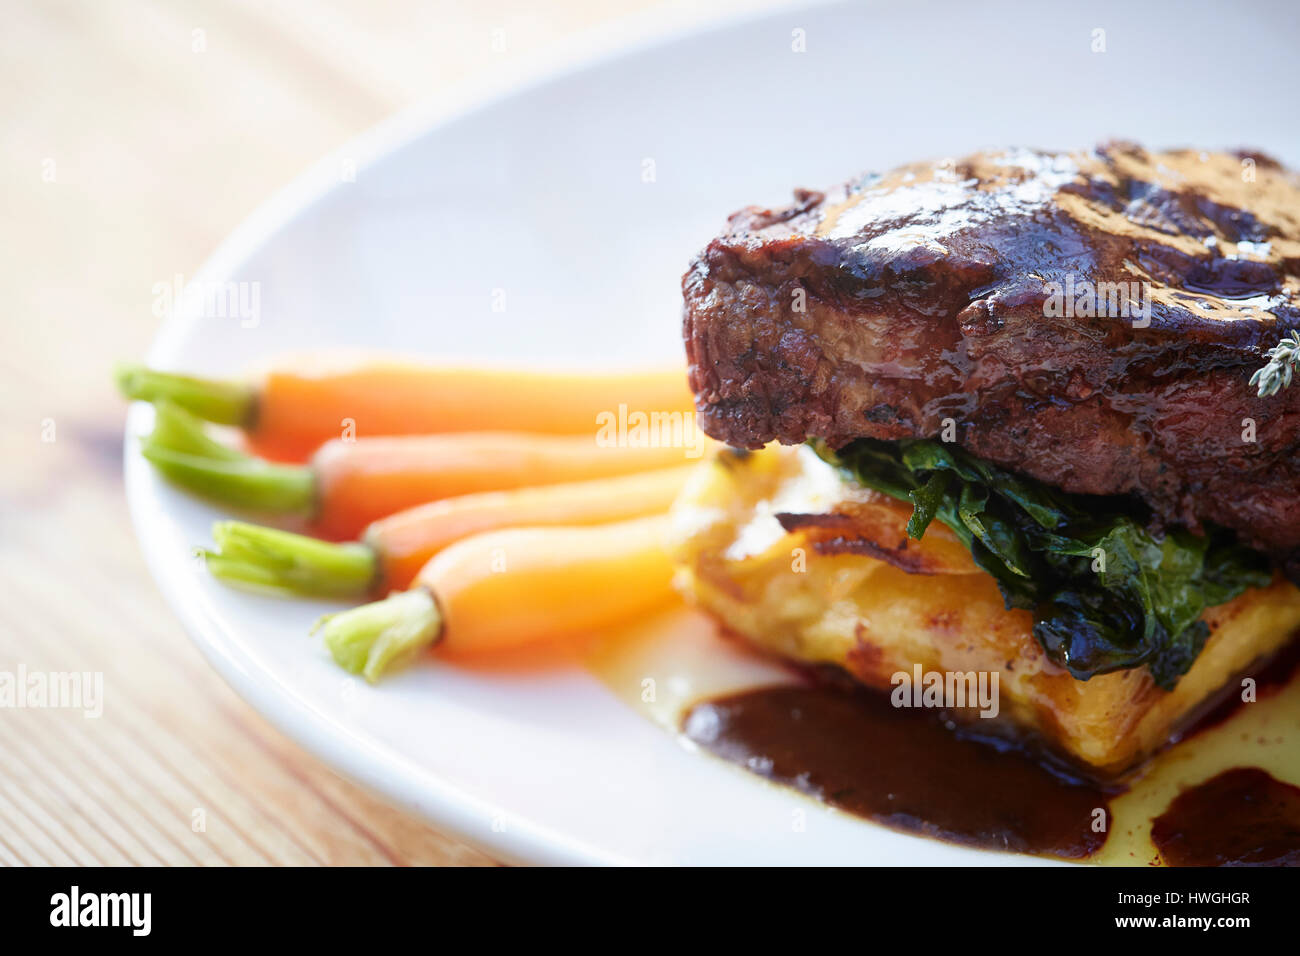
(1278, 371)
(1107, 592)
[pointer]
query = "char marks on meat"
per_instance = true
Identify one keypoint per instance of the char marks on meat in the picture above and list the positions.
(937, 291)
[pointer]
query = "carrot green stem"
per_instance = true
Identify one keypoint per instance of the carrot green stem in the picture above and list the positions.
(180, 450)
(372, 638)
(225, 403)
(267, 559)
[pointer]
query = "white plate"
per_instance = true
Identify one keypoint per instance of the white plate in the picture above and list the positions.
(541, 194)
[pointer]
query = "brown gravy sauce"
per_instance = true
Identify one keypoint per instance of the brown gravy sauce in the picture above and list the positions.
(851, 749)
(1242, 817)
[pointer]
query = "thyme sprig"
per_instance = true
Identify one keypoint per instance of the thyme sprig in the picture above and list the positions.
(1282, 361)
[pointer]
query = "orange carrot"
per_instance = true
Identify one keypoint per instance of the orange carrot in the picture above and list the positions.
(296, 407)
(406, 540)
(504, 589)
(393, 549)
(362, 481)
(347, 485)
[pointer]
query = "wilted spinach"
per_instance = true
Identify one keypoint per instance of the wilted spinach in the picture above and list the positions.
(1141, 605)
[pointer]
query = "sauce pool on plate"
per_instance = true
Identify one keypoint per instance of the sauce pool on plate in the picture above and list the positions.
(1242, 817)
(853, 750)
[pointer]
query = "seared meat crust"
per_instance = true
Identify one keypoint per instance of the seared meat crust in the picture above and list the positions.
(897, 302)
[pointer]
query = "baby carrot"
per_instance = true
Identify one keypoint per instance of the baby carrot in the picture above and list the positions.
(393, 549)
(362, 481)
(405, 541)
(296, 407)
(504, 589)
(347, 485)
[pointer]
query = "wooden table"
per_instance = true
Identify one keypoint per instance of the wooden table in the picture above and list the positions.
(137, 133)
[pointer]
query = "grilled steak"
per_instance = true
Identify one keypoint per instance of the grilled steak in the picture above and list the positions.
(1089, 319)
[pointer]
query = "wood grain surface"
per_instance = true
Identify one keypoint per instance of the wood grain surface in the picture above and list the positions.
(137, 134)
